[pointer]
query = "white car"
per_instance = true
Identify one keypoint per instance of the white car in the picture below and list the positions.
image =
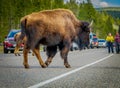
(74, 46)
(102, 43)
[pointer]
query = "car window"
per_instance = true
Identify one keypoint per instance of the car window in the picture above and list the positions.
(12, 33)
(95, 39)
(101, 40)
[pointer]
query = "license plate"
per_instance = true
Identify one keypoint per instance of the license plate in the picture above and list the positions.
(14, 45)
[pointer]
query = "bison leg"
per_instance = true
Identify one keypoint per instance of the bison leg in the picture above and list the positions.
(64, 54)
(51, 51)
(64, 47)
(37, 53)
(25, 54)
(17, 50)
(32, 54)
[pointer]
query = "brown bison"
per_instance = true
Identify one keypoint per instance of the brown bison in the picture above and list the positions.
(18, 43)
(53, 28)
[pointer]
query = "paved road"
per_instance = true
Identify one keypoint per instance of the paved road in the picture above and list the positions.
(93, 68)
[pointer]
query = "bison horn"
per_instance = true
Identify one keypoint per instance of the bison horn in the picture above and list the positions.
(90, 23)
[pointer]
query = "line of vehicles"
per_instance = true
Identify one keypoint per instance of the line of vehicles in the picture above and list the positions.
(9, 43)
(94, 43)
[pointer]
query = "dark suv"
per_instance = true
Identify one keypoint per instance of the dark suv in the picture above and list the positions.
(9, 43)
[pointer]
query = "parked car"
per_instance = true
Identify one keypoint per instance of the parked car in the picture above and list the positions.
(102, 43)
(94, 43)
(9, 43)
(74, 46)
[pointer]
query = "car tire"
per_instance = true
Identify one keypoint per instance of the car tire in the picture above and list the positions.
(75, 48)
(12, 51)
(91, 46)
(71, 49)
(5, 50)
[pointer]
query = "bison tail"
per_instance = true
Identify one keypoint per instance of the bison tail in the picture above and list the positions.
(23, 28)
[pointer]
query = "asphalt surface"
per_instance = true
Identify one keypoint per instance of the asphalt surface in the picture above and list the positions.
(92, 68)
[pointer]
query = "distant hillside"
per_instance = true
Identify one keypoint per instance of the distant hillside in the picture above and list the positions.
(113, 11)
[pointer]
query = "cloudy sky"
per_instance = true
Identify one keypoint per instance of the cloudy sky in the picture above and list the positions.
(102, 3)
(106, 3)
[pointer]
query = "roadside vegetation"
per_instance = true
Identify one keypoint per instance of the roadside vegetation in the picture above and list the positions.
(1, 49)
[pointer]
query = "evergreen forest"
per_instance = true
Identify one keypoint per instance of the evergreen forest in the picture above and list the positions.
(11, 12)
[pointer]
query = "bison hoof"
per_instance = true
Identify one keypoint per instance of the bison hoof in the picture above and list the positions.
(26, 65)
(15, 54)
(47, 63)
(33, 54)
(67, 66)
(18, 54)
(44, 66)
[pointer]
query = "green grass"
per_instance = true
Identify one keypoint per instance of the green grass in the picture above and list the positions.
(1, 49)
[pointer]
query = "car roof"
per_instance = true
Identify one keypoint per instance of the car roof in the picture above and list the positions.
(101, 39)
(15, 30)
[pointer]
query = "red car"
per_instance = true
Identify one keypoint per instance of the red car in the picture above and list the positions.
(9, 43)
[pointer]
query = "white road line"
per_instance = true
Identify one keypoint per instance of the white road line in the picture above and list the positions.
(68, 73)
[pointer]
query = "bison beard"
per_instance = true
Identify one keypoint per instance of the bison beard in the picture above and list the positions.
(53, 28)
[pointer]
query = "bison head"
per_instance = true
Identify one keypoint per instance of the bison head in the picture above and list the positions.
(86, 26)
(83, 37)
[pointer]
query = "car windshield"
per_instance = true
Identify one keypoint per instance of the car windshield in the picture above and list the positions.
(101, 40)
(12, 33)
(95, 39)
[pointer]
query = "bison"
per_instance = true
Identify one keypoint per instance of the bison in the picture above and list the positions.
(18, 43)
(52, 28)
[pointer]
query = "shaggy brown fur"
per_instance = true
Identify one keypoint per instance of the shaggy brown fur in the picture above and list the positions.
(52, 28)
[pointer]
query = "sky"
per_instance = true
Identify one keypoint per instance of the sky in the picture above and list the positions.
(102, 3)
(106, 3)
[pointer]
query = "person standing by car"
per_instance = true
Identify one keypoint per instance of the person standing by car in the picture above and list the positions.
(110, 41)
(117, 42)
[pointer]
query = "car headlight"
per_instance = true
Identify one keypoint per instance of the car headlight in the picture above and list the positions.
(7, 44)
